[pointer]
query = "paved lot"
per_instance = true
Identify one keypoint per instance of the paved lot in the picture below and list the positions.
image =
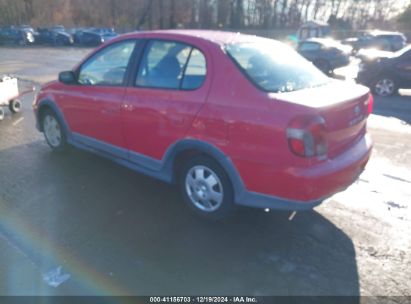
(115, 232)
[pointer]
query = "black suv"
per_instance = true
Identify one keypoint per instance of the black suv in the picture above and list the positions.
(386, 73)
(386, 41)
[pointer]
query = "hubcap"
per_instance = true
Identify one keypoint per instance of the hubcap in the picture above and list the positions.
(384, 87)
(204, 188)
(52, 131)
(16, 106)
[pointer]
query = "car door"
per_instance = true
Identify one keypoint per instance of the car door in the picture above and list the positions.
(92, 107)
(170, 86)
(403, 69)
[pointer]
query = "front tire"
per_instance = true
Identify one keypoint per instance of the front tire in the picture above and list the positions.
(1, 113)
(385, 86)
(15, 106)
(206, 188)
(53, 131)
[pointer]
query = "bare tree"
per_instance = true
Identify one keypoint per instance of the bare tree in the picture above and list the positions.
(235, 14)
(144, 15)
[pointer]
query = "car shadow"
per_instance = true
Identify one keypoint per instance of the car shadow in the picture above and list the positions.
(394, 106)
(117, 232)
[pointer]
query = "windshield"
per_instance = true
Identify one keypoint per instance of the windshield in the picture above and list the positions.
(275, 67)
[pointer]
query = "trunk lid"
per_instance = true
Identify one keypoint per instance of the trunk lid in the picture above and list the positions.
(344, 107)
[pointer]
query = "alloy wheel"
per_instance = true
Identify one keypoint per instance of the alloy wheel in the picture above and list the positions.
(52, 131)
(204, 188)
(384, 87)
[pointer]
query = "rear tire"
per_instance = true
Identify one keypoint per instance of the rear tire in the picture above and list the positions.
(53, 131)
(15, 106)
(1, 113)
(385, 86)
(206, 188)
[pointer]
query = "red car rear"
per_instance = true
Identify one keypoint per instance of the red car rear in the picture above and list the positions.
(233, 119)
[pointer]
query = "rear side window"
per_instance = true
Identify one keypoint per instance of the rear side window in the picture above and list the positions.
(171, 65)
(195, 71)
(275, 67)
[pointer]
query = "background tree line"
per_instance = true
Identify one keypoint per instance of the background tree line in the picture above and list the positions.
(227, 14)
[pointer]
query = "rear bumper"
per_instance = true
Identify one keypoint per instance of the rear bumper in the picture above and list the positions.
(259, 200)
(318, 182)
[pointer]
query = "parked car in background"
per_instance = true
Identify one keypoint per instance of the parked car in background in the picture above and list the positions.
(91, 38)
(325, 54)
(61, 36)
(28, 28)
(77, 34)
(232, 119)
(58, 28)
(385, 73)
(55, 36)
(386, 41)
(313, 29)
(44, 36)
(96, 36)
(9, 35)
(17, 35)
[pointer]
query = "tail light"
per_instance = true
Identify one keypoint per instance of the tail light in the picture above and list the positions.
(307, 136)
(370, 104)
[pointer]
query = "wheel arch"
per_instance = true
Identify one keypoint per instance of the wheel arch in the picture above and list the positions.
(189, 148)
(48, 104)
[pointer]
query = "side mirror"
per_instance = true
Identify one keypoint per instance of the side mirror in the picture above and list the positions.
(67, 77)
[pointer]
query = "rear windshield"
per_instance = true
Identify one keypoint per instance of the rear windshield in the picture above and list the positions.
(275, 67)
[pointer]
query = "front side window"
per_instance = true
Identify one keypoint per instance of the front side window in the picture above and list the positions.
(275, 67)
(107, 67)
(171, 65)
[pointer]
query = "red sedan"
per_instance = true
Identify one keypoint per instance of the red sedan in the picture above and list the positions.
(232, 119)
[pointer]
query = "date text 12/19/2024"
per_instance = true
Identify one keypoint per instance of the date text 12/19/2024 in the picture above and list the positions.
(203, 299)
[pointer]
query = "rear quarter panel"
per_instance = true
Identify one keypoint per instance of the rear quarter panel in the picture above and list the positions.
(248, 125)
